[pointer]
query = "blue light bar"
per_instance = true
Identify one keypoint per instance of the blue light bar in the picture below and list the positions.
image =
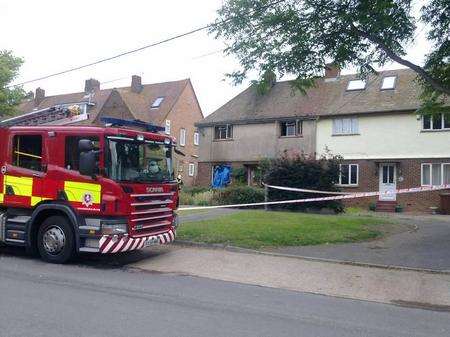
(111, 121)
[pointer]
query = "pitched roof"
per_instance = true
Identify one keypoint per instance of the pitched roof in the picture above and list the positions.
(326, 98)
(138, 103)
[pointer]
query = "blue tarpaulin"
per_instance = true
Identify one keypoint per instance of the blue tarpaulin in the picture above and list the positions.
(222, 175)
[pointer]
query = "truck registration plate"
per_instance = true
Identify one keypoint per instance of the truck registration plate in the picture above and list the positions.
(153, 241)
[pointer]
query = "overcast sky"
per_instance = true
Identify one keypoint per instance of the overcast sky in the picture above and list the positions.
(53, 35)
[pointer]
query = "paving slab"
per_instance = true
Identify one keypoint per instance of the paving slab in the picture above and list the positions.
(356, 282)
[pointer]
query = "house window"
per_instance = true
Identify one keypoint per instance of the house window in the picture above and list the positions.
(191, 170)
(167, 131)
(27, 152)
(356, 85)
(349, 174)
(223, 132)
(157, 103)
(435, 174)
(345, 126)
(291, 128)
(196, 138)
(182, 137)
(388, 83)
(72, 155)
(436, 122)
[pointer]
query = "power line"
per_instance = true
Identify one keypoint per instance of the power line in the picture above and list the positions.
(154, 44)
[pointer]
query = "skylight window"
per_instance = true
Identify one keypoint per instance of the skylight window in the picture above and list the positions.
(157, 103)
(388, 83)
(356, 85)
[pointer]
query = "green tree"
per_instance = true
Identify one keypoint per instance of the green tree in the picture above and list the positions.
(301, 36)
(9, 69)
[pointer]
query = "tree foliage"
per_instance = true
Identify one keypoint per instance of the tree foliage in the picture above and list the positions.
(9, 70)
(301, 36)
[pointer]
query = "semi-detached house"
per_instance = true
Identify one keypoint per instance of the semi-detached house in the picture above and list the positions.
(173, 105)
(371, 123)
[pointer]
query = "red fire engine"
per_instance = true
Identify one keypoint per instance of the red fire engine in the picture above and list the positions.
(70, 189)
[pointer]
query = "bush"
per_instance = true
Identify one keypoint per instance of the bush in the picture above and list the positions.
(186, 198)
(239, 176)
(300, 171)
(204, 198)
(195, 189)
(239, 195)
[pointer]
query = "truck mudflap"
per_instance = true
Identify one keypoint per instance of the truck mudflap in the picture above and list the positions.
(112, 244)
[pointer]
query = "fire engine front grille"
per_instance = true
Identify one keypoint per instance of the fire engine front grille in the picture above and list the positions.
(151, 213)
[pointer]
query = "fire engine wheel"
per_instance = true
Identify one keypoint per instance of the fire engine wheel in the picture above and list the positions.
(55, 240)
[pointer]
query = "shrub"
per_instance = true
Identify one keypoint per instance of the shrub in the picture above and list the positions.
(195, 189)
(204, 198)
(239, 195)
(239, 176)
(186, 198)
(300, 171)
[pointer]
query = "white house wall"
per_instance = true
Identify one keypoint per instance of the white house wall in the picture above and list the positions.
(384, 137)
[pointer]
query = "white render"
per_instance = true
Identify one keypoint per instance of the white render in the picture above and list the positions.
(393, 136)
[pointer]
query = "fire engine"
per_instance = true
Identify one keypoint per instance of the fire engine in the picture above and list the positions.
(71, 189)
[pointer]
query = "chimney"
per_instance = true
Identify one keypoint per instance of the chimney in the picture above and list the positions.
(91, 85)
(332, 70)
(39, 96)
(136, 84)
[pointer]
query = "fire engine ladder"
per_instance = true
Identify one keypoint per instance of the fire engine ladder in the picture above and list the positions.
(38, 117)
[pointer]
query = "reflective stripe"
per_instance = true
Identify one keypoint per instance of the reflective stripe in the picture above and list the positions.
(22, 186)
(77, 191)
(1, 197)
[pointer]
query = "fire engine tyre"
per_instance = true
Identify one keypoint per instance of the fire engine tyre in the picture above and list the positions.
(55, 241)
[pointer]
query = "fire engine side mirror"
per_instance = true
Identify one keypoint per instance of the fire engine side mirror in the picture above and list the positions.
(87, 158)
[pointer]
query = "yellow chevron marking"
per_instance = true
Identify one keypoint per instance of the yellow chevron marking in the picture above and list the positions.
(76, 191)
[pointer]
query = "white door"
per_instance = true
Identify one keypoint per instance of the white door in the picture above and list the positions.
(388, 182)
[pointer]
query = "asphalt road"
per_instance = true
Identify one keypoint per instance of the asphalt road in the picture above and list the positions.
(97, 297)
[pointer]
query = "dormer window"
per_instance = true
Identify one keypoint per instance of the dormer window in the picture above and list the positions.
(388, 83)
(356, 85)
(157, 103)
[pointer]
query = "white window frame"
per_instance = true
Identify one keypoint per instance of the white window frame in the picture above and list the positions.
(362, 85)
(431, 124)
(431, 173)
(298, 128)
(196, 138)
(349, 175)
(191, 170)
(228, 131)
(157, 102)
(167, 130)
(354, 126)
(182, 137)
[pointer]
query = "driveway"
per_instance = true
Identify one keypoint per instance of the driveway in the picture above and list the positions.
(425, 245)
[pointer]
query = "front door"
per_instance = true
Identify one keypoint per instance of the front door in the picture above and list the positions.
(388, 182)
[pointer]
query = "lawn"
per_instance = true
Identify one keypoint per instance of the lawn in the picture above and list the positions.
(257, 229)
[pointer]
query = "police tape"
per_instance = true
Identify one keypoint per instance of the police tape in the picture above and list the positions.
(292, 189)
(338, 197)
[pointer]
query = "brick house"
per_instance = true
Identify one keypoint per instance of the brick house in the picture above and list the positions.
(173, 105)
(371, 123)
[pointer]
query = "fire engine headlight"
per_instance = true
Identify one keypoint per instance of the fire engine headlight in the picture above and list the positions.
(114, 228)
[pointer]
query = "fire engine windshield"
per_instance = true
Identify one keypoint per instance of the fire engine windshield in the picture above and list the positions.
(144, 162)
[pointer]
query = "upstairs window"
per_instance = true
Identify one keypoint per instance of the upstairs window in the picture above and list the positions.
(157, 103)
(167, 130)
(223, 132)
(388, 83)
(349, 174)
(345, 126)
(356, 85)
(182, 137)
(436, 122)
(196, 138)
(291, 128)
(27, 152)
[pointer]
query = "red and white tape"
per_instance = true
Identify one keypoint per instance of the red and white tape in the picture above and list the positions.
(338, 197)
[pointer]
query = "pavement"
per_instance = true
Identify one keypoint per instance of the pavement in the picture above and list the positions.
(425, 244)
(99, 297)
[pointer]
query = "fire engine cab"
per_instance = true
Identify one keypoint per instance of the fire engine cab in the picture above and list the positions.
(71, 189)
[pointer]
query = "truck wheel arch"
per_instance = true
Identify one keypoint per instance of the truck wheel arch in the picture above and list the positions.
(42, 212)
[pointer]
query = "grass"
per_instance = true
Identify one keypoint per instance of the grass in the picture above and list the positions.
(258, 229)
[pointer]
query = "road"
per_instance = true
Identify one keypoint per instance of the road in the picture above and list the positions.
(96, 298)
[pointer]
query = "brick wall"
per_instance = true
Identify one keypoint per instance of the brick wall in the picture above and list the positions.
(185, 113)
(409, 170)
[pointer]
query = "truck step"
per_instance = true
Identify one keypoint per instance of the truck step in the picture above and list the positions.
(20, 219)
